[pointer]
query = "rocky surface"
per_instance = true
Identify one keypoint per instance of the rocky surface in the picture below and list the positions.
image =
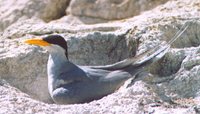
(171, 87)
(112, 9)
(14, 10)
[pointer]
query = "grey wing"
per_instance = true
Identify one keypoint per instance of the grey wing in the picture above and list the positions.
(74, 74)
(102, 75)
(116, 76)
(94, 73)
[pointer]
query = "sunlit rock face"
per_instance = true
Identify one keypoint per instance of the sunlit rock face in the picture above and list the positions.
(96, 38)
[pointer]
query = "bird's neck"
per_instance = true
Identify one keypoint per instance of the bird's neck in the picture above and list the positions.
(58, 58)
(56, 63)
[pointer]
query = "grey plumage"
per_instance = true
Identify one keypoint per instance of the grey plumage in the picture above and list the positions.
(69, 83)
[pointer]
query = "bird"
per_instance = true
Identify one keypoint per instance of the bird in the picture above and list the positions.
(69, 83)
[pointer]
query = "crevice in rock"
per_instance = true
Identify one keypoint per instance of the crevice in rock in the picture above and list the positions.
(129, 46)
(169, 64)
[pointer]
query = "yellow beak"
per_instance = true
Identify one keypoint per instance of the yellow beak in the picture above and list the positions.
(37, 41)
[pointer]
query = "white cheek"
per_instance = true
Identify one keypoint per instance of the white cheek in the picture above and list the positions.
(48, 48)
(54, 48)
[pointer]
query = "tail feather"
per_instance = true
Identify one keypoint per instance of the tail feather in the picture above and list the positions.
(146, 57)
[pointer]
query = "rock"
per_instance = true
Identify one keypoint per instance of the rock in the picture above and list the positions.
(14, 10)
(112, 9)
(185, 81)
(171, 87)
(135, 100)
(17, 71)
(53, 9)
(79, 20)
(12, 101)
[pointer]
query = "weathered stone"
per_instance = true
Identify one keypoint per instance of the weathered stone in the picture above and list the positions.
(112, 9)
(53, 9)
(14, 10)
(79, 20)
(173, 79)
(184, 83)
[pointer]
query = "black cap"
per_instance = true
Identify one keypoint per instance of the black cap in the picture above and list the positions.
(57, 40)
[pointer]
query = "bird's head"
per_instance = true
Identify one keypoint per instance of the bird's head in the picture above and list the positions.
(52, 43)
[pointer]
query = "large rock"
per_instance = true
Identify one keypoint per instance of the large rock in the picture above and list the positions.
(174, 79)
(112, 9)
(101, 11)
(14, 10)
